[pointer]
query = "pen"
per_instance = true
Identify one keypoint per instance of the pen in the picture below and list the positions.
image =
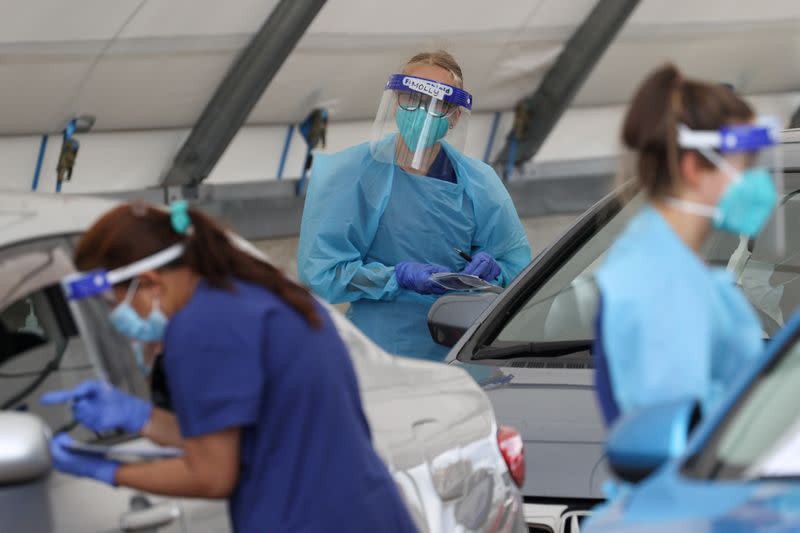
(464, 255)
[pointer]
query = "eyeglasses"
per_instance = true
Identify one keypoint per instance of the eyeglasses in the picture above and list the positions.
(411, 101)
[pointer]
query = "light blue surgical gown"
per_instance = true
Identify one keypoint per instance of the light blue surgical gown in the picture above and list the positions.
(363, 216)
(672, 327)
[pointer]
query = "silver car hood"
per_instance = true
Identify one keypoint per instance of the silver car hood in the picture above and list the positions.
(408, 401)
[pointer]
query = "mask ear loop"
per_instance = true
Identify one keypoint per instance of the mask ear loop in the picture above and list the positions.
(721, 163)
(156, 305)
(131, 291)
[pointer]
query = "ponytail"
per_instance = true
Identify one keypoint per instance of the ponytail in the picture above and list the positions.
(211, 254)
(664, 100)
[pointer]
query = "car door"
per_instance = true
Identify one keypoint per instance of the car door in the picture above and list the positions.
(42, 348)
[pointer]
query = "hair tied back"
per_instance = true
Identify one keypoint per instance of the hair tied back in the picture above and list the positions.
(179, 217)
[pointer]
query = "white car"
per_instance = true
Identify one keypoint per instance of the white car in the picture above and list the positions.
(431, 423)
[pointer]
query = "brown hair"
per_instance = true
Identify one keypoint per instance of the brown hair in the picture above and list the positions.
(666, 99)
(441, 59)
(134, 231)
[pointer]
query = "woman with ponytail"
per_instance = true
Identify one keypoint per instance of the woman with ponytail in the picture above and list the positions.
(267, 407)
(670, 326)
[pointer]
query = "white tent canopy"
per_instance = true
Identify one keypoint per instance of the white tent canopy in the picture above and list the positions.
(154, 64)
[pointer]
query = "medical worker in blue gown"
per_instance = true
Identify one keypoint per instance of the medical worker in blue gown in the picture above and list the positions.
(671, 326)
(380, 218)
(266, 404)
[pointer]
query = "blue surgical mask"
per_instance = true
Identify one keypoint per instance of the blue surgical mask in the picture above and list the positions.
(127, 321)
(745, 206)
(412, 123)
(747, 203)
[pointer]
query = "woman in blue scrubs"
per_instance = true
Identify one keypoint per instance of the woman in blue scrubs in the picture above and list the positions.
(669, 325)
(267, 406)
(380, 218)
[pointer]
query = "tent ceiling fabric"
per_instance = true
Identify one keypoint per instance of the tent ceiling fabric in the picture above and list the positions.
(57, 59)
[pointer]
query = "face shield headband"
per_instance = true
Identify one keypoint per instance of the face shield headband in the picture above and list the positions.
(447, 94)
(731, 139)
(748, 205)
(83, 285)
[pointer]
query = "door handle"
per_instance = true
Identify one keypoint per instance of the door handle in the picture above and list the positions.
(150, 518)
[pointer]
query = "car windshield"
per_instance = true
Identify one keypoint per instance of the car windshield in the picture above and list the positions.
(563, 308)
(761, 436)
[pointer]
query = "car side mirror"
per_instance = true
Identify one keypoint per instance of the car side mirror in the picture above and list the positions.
(644, 440)
(24, 448)
(451, 316)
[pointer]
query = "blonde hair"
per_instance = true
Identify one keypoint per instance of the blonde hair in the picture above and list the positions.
(441, 59)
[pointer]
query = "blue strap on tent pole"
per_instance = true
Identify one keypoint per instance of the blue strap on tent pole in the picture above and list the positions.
(490, 143)
(39, 161)
(286, 144)
(69, 131)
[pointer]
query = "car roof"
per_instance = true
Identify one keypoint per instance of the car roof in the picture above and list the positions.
(26, 216)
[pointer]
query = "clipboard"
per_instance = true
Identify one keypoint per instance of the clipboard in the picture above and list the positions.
(122, 452)
(453, 281)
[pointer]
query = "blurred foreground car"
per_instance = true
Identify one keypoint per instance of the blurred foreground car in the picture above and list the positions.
(434, 427)
(739, 472)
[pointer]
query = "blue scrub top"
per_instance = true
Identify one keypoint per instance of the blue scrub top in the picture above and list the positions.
(244, 358)
(442, 168)
(669, 326)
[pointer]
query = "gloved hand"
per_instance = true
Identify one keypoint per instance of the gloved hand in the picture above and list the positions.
(79, 464)
(484, 266)
(415, 277)
(100, 407)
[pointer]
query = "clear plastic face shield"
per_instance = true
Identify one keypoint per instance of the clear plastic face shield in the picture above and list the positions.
(98, 283)
(83, 287)
(415, 117)
(752, 203)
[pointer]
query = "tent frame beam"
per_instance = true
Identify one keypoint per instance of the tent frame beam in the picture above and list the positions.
(237, 94)
(572, 67)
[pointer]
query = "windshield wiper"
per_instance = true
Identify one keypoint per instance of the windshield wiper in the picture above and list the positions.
(532, 349)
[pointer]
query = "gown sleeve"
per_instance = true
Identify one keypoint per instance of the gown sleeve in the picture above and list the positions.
(346, 198)
(499, 231)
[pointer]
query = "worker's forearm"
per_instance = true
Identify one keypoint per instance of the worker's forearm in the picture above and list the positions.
(163, 428)
(170, 477)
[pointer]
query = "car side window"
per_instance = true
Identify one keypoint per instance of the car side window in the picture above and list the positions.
(565, 306)
(759, 435)
(40, 350)
(47, 344)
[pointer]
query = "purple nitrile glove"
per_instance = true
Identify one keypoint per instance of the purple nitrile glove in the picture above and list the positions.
(100, 407)
(416, 277)
(484, 266)
(82, 465)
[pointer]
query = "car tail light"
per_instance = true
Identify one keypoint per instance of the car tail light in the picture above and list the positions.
(510, 442)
